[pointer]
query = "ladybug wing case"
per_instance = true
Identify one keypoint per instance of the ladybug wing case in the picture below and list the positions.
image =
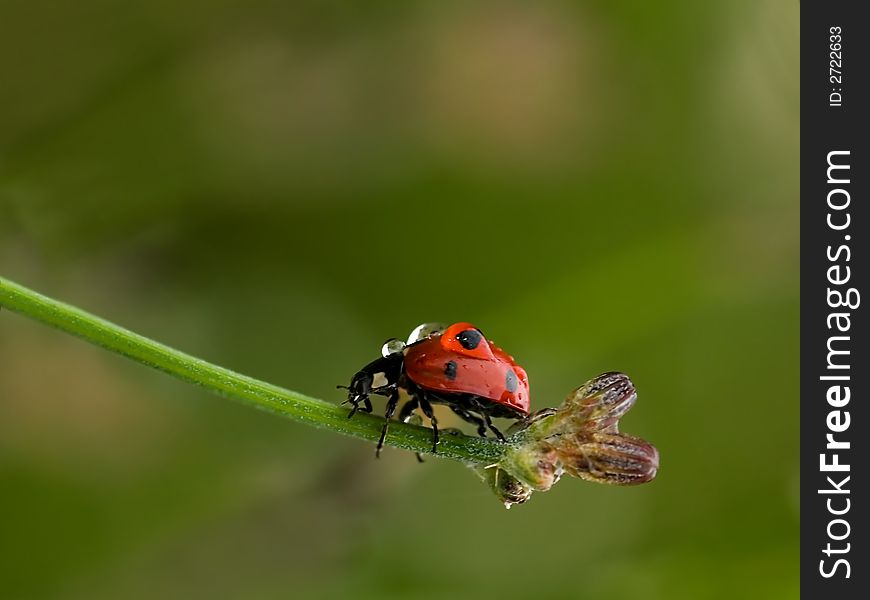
(462, 361)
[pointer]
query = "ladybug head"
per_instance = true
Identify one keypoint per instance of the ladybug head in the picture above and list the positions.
(467, 340)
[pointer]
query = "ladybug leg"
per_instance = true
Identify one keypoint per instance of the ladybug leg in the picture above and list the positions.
(378, 377)
(392, 403)
(471, 418)
(366, 405)
(408, 410)
(527, 422)
(478, 408)
(492, 427)
(358, 392)
(405, 415)
(426, 407)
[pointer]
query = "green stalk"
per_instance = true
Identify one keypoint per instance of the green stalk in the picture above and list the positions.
(222, 381)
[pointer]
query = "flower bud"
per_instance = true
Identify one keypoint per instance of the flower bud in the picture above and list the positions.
(536, 464)
(598, 404)
(581, 438)
(508, 489)
(615, 459)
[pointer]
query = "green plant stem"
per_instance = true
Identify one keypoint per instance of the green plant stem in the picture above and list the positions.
(233, 385)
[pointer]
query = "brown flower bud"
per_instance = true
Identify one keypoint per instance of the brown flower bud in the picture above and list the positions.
(581, 438)
(616, 459)
(598, 404)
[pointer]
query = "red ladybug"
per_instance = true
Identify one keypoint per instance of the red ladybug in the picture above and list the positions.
(455, 366)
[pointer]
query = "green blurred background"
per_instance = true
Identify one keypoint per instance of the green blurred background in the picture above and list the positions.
(280, 186)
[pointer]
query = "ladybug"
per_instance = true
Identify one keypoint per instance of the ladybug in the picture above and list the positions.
(455, 366)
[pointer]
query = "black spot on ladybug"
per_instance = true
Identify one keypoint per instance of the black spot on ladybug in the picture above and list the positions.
(450, 370)
(510, 381)
(469, 338)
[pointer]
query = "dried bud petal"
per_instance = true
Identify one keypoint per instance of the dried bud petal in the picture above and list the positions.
(615, 459)
(598, 404)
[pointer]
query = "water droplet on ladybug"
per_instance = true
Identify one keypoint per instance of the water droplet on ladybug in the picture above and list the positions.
(392, 346)
(425, 330)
